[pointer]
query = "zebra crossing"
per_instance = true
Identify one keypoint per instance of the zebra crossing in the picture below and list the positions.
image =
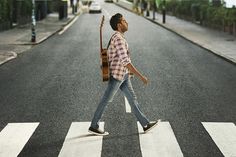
(224, 135)
(160, 141)
(78, 141)
(14, 137)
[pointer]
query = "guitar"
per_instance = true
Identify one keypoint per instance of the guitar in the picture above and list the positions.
(103, 56)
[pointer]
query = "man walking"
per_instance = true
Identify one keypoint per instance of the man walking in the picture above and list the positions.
(120, 65)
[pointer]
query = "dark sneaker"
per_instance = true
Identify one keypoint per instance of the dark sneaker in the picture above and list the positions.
(150, 126)
(97, 132)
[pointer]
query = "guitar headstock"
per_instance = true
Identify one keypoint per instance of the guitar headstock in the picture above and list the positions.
(102, 21)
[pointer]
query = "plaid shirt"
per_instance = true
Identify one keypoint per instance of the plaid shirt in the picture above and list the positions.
(118, 56)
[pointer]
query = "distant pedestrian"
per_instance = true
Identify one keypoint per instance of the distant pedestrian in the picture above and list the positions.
(154, 4)
(143, 6)
(120, 65)
(135, 6)
(148, 7)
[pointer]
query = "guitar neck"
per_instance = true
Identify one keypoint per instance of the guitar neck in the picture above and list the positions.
(100, 39)
(103, 17)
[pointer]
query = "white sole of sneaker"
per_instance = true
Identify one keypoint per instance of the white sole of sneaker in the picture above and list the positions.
(94, 133)
(158, 121)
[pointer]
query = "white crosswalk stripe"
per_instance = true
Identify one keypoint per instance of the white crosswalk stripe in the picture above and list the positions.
(14, 137)
(159, 142)
(127, 106)
(80, 143)
(224, 135)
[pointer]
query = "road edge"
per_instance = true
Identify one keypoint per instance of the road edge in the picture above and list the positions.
(218, 54)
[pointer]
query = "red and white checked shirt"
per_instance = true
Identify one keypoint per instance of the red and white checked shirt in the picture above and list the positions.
(118, 56)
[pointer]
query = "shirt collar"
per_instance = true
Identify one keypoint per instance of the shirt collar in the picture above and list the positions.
(117, 32)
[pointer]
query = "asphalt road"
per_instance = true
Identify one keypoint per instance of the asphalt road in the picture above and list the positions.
(59, 82)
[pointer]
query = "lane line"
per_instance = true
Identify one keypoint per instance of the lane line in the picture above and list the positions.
(160, 141)
(224, 136)
(14, 137)
(127, 106)
(66, 27)
(79, 143)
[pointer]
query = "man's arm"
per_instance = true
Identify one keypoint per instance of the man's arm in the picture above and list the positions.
(136, 72)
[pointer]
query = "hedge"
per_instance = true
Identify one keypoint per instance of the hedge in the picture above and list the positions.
(4, 10)
(203, 12)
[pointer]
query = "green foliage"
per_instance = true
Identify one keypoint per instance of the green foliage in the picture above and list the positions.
(25, 8)
(230, 16)
(171, 6)
(6, 9)
(203, 11)
(131, 1)
(183, 7)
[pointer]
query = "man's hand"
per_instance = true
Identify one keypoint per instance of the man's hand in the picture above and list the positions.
(133, 70)
(145, 80)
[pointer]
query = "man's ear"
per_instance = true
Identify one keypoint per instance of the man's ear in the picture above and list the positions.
(118, 25)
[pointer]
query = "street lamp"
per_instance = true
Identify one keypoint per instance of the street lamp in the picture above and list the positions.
(33, 36)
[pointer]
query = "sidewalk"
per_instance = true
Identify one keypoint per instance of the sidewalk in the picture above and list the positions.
(18, 40)
(219, 43)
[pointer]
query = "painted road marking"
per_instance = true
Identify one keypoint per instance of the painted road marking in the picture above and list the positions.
(14, 137)
(224, 136)
(8, 55)
(66, 27)
(80, 143)
(127, 106)
(160, 141)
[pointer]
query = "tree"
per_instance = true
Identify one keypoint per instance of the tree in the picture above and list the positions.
(216, 3)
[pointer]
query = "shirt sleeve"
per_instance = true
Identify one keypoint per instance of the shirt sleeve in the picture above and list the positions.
(122, 51)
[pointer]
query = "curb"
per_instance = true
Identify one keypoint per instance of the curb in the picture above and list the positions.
(62, 27)
(55, 32)
(12, 56)
(226, 58)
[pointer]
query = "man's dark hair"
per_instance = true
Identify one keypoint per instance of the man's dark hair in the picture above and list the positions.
(115, 19)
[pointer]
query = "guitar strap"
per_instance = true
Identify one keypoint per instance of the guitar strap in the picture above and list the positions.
(110, 41)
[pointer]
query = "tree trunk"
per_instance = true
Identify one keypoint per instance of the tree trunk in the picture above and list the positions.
(234, 28)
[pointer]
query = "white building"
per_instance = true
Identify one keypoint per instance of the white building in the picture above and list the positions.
(230, 3)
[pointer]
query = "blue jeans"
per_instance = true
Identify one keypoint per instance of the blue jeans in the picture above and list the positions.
(112, 88)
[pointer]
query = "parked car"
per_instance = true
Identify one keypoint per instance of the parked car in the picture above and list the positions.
(95, 7)
(109, 1)
(84, 5)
